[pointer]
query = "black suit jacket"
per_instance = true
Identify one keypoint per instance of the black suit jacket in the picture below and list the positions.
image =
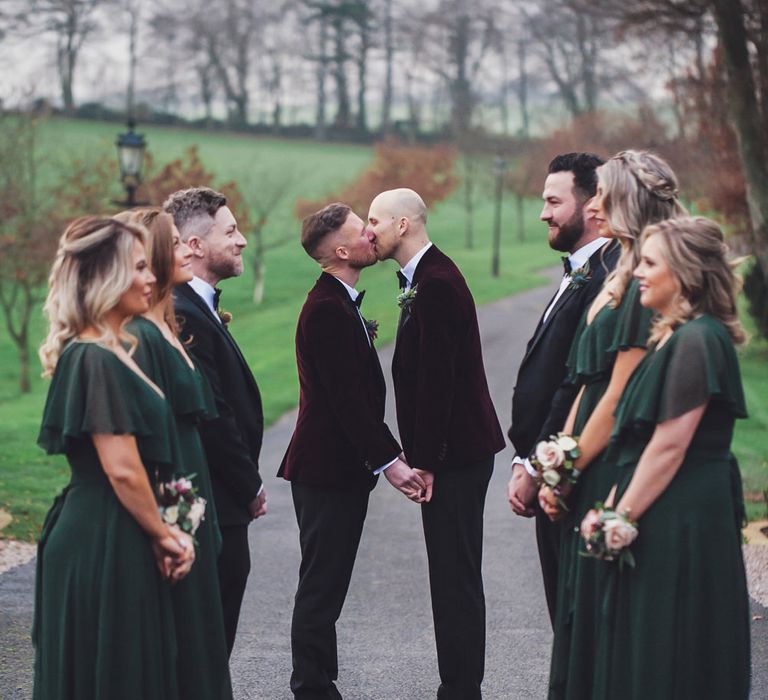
(340, 436)
(543, 368)
(444, 410)
(232, 441)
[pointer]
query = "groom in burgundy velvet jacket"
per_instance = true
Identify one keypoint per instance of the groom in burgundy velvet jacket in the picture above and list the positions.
(448, 426)
(339, 445)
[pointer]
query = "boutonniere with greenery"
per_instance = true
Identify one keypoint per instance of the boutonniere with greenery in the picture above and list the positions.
(372, 326)
(225, 316)
(580, 276)
(406, 298)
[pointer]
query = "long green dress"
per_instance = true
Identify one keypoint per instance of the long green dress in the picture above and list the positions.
(676, 627)
(203, 661)
(578, 591)
(103, 622)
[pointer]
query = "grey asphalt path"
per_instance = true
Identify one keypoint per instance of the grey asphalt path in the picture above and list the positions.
(385, 632)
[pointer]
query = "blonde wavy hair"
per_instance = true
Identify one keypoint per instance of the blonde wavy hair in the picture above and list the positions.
(93, 268)
(160, 254)
(638, 188)
(694, 248)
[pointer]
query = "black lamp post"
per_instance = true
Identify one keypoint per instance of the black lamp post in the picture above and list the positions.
(130, 156)
(499, 168)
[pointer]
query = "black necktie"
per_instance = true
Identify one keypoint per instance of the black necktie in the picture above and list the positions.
(567, 264)
(359, 299)
(216, 295)
(402, 279)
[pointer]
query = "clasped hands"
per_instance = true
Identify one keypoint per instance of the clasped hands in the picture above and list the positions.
(415, 484)
(174, 553)
(523, 490)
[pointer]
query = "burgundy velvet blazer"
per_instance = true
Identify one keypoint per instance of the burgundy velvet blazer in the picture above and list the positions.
(444, 410)
(340, 436)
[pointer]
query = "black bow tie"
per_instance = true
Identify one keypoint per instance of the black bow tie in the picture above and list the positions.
(567, 264)
(359, 299)
(216, 295)
(402, 279)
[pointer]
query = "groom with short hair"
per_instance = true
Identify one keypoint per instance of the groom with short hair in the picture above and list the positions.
(340, 443)
(448, 426)
(232, 440)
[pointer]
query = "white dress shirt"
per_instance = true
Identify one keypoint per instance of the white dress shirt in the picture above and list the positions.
(206, 292)
(353, 294)
(410, 267)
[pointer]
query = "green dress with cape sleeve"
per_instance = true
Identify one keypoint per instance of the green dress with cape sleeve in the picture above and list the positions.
(103, 622)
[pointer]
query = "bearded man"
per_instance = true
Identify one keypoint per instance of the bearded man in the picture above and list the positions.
(542, 398)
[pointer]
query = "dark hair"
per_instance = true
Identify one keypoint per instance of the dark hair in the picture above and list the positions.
(191, 203)
(583, 166)
(317, 226)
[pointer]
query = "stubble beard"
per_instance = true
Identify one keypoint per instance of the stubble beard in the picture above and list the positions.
(225, 267)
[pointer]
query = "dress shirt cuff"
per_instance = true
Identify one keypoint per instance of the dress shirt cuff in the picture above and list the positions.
(388, 464)
(526, 465)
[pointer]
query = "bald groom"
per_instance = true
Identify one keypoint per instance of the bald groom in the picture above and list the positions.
(448, 429)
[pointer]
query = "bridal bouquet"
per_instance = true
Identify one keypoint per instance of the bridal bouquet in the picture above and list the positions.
(608, 535)
(553, 460)
(180, 505)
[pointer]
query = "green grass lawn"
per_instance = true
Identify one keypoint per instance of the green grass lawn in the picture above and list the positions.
(29, 479)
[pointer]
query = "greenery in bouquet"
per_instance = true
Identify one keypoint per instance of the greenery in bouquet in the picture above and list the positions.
(180, 505)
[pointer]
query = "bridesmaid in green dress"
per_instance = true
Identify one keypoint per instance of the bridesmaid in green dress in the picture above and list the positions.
(203, 662)
(635, 188)
(103, 621)
(677, 625)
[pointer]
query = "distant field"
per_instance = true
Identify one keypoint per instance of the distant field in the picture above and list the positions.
(29, 479)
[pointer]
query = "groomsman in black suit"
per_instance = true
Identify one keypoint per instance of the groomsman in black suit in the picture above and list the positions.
(448, 426)
(541, 399)
(340, 443)
(232, 441)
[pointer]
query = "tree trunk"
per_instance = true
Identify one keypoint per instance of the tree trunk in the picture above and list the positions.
(461, 90)
(343, 110)
(322, 65)
(469, 200)
(362, 60)
(520, 216)
(25, 386)
(259, 268)
(522, 90)
(389, 54)
(729, 15)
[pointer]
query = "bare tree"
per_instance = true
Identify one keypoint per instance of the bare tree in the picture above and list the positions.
(72, 22)
(741, 30)
(456, 36)
(270, 194)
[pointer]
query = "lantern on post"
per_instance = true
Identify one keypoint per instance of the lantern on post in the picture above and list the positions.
(130, 157)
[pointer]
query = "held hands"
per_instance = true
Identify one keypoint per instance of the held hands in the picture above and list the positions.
(521, 491)
(174, 554)
(415, 484)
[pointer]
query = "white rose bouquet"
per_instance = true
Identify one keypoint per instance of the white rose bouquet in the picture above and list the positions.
(180, 505)
(553, 461)
(608, 534)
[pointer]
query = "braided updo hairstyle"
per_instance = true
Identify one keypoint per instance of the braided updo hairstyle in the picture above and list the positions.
(695, 250)
(93, 268)
(638, 188)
